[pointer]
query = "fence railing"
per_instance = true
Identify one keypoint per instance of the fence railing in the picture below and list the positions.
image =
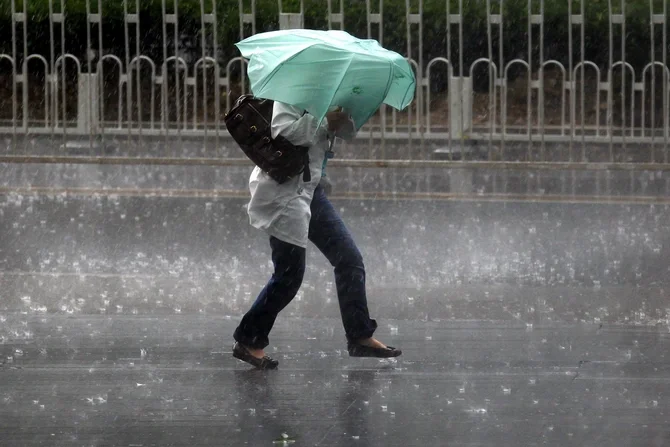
(527, 102)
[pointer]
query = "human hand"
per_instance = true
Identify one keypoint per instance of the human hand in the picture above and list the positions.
(337, 119)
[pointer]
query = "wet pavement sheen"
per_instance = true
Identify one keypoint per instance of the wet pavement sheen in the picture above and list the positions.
(172, 381)
(522, 324)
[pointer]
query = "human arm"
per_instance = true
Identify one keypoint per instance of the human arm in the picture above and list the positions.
(291, 122)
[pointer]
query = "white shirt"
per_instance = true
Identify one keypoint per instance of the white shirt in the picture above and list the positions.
(283, 211)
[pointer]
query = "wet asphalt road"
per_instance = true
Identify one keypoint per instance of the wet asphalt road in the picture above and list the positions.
(522, 323)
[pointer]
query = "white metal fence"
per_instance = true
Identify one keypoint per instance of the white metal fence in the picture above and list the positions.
(182, 95)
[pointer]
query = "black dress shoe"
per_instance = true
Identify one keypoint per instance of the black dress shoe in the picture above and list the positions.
(240, 352)
(356, 350)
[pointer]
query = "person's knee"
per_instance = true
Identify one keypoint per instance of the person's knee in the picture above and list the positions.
(289, 263)
(291, 276)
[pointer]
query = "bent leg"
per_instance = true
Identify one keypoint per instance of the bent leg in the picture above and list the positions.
(289, 269)
(328, 232)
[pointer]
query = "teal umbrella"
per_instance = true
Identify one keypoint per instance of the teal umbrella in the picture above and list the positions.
(317, 70)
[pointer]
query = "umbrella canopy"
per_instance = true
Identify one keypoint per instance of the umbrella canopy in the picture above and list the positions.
(317, 70)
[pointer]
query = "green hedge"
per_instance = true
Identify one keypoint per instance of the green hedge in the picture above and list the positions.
(475, 42)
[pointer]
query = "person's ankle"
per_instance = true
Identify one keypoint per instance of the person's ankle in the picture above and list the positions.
(258, 353)
(371, 343)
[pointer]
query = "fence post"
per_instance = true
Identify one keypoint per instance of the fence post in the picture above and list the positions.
(460, 87)
(88, 117)
(290, 20)
(335, 17)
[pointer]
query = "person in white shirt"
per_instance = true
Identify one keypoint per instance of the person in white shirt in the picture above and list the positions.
(293, 213)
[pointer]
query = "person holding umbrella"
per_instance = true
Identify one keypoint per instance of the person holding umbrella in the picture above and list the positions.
(326, 85)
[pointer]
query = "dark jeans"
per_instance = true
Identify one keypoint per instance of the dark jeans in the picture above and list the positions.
(330, 235)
